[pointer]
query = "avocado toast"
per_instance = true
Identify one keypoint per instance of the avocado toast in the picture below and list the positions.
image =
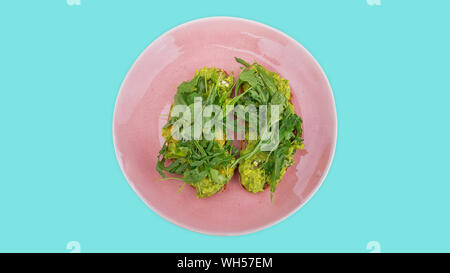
(206, 165)
(259, 168)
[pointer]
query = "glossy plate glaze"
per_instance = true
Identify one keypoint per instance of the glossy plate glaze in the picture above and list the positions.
(147, 94)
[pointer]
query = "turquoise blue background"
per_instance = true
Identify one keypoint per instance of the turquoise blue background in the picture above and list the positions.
(61, 68)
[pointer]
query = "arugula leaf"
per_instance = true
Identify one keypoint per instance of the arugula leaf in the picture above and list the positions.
(239, 60)
(217, 177)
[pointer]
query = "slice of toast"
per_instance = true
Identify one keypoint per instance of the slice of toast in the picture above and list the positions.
(260, 169)
(208, 173)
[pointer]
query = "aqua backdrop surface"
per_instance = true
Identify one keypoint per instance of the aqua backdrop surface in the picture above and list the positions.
(61, 67)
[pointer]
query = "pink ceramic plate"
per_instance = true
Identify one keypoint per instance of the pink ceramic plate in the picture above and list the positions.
(147, 94)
